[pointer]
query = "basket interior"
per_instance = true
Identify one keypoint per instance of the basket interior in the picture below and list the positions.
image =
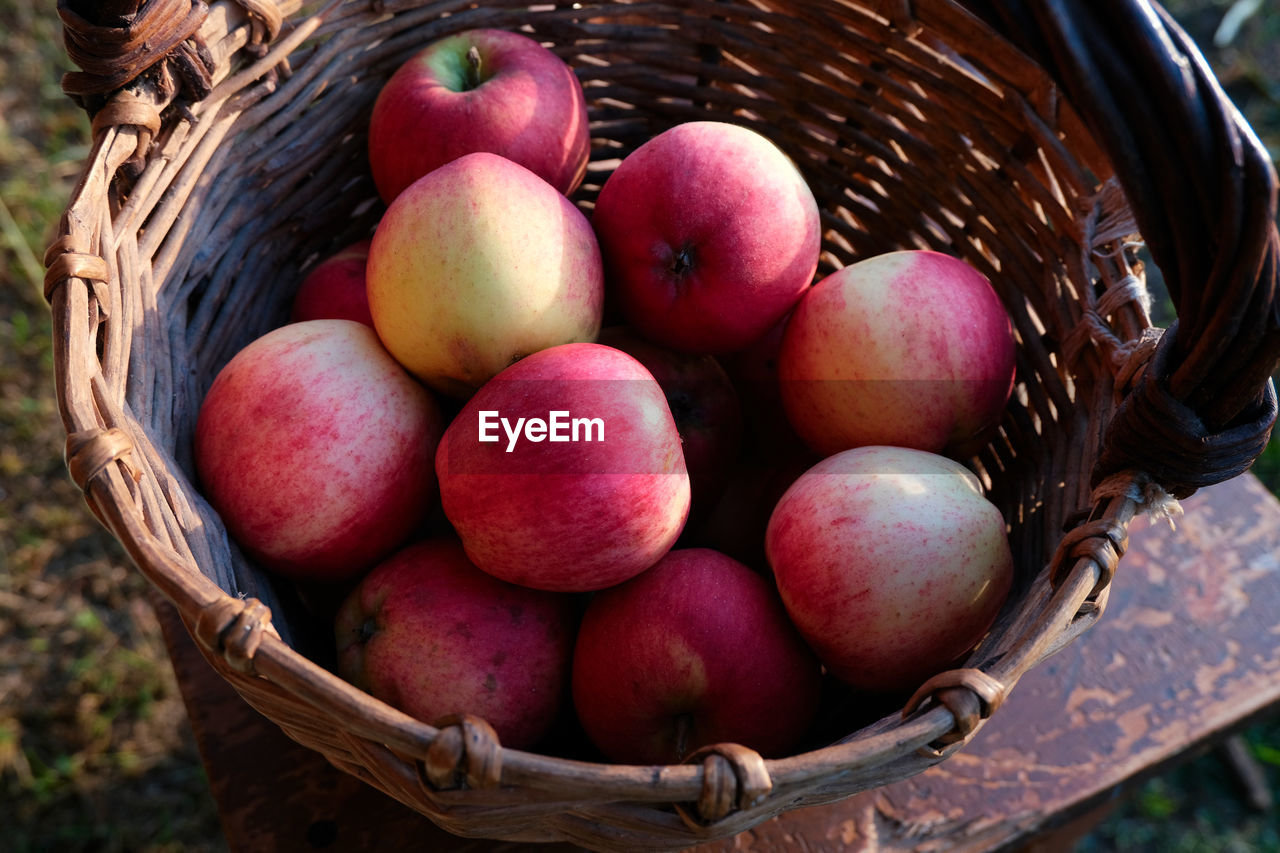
(932, 140)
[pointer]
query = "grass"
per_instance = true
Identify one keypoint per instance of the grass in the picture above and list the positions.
(95, 750)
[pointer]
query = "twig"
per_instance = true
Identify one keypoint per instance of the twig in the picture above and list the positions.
(31, 267)
(1229, 28)
(1248, 772)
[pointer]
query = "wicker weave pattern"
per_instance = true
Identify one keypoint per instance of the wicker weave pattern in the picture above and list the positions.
(916, 126)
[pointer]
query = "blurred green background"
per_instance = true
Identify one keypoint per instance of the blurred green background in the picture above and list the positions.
(95, 750)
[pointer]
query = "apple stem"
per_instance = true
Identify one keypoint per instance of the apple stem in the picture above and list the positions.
(473, 67)
(683, 724)
(682, 261)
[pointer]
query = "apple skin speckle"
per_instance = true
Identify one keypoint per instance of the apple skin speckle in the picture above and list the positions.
(910, 578)
(316, 449)
(909, 348)
(450, 639)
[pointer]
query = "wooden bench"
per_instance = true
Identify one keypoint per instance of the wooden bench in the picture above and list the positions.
(1187, 652)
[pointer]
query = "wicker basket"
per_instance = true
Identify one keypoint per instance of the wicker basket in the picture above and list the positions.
(229, 154)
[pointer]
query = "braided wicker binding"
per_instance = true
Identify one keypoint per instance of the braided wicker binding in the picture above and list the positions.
(229, 154)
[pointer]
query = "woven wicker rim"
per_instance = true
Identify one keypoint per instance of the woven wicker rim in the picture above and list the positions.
(124, 232)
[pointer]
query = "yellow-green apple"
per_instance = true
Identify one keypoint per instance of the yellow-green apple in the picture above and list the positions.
(478, 264)
(709, 234)
(316, 448)
(480, 90)
(910, 348)
(564, 471)
(891, 562)
(705, 407)
(429, 633)
(694, 651)
(335, 289)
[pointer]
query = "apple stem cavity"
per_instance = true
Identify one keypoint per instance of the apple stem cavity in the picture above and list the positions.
(684, 724)
(682, 262)
(473, 78)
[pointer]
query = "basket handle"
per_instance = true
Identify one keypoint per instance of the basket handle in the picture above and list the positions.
(1203, 192)
(116, 42)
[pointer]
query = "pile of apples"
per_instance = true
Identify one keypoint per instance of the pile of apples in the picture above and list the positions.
(636, 470)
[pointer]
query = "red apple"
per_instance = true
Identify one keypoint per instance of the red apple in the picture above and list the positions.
(705, 407)
(774, 456)
(335, 288)
(316, 450)
(429, 633)
(754, 373)
(478, 264)
(891, 562)
(696, 650)
(564, 472)
(709, 234)
(480, 90)
(736, 522)
(909, 348)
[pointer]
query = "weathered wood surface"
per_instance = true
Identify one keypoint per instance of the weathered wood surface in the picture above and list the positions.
(1188, 650)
